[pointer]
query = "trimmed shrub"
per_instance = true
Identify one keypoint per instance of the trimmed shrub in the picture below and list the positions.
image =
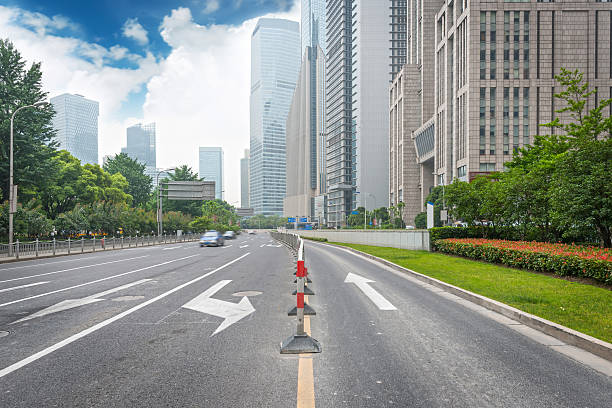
(561, 259)
(315, 239)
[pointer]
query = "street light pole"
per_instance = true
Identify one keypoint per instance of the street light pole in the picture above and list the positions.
(160, 221)
(12, 198)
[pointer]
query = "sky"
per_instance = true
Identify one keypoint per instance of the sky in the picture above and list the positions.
(184, 65)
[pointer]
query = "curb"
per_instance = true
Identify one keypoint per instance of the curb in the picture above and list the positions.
(565, 334)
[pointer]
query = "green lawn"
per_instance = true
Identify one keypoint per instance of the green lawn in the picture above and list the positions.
(582, 307)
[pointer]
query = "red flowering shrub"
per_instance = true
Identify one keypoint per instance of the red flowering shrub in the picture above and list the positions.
(562, 259)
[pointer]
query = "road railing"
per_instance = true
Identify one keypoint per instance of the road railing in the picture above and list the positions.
(300, 342)
(38, 248)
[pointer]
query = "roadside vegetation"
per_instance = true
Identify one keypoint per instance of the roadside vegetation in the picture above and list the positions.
(582, 307)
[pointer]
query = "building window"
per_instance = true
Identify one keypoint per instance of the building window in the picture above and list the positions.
(506, 45)
(506, 120)
(526, 45)
(517, 41)
(538, 46)
(493, 46)
(486, 167)
(515, 119)
(461, 171)
(597, 43)
(552, 48)
(482, 123)
(492, 100)
(525, 116)
(483, 44)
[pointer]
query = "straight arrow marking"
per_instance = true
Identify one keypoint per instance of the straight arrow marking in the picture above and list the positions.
(72, 303)
(22, 286)
(363, 284)
(230, 312)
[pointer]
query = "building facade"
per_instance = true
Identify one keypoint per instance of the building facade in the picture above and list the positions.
(141, 145)
(305, 163)
(244, 180)
(275, 63)
(494, 64)
(76, 123)
(211, 168)
(313, 25)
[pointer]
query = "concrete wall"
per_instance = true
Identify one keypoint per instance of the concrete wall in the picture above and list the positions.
(403, 239)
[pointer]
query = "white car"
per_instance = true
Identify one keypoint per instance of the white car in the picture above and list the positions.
(251, 232)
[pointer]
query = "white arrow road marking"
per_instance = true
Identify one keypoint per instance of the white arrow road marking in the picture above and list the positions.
(71, 303)
(244, 246)
(231, 312)
(377, 298)
(274, 246)
(22, 286)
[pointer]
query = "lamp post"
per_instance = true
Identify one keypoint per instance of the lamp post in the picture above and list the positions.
(12, 195)
(160, 220)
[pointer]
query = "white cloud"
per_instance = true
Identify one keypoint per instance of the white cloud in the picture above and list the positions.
(134, 30)
(211, 6)
(201, 95)
(75, 66)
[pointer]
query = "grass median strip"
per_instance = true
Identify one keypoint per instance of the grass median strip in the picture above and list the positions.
(582, 307)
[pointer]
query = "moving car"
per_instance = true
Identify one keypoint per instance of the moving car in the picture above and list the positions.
(211, 238)
(251, 232)
(229, 235)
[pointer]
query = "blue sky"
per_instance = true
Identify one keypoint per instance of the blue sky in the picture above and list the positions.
(184, 65)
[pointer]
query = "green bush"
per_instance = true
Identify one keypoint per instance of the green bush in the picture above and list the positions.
(315, 239)
(562, 265)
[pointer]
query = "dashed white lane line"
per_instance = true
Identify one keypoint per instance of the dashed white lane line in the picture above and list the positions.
(75, 337)
(22, 286)
(174, 247)
(244, 246)
(95, 281)
(227, 246)
(71, 269)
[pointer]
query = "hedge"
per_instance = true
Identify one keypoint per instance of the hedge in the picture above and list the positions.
(561, 259)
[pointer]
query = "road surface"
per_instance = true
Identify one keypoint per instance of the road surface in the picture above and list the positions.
(179, 325)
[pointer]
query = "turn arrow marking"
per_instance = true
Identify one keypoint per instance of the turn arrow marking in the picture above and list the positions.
(71, 303)
(377, 298)
(231, 312)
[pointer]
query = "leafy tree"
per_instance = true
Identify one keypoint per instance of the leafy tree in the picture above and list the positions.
(219, 211)
(29, 221)
(420, 221)
(200, 224)
(59, 192)
(33, 132)
(139, 184)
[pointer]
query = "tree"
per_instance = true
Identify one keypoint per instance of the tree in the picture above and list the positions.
(420, 221)
(219, 211)
(583, 176)
(139, 184)
(33, 133)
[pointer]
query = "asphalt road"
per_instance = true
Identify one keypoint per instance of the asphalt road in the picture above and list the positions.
(146, 327)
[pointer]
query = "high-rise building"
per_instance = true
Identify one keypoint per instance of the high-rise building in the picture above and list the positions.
(305, 161)
(76, 123)
(141, 141)
(493, 83)
(357, 78)
(313, 25)
(211, 167)
(244, 180)
(275, 63)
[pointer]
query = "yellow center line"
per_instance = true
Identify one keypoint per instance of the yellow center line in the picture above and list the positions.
(305, 389)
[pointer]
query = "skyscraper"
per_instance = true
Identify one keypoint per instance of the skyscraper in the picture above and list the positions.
(141, 145)
(275, 63)
(244, 180)
(313, 25)
(211, 167)
(76, 122)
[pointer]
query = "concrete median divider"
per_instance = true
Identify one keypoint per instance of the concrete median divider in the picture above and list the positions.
(300, 342)
(402, 239)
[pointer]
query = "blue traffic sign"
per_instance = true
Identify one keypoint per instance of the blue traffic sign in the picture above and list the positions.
(354, 212)
(290, 219)
(304, 219)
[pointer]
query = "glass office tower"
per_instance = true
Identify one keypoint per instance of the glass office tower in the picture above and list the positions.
(211, 167)
(313, 25)
(141, 145)
(76, 122)
(275, 63)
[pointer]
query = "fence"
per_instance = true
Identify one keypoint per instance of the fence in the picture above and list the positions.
(69, 246)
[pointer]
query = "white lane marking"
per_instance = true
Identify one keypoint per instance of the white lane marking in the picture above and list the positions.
(71, 269)
(227, 246)
(95, 281)
(77, 336)
(72, 303)
(244, 246)
(375, 297)
(175, 247)
(262, 245)
(43, 263)
(22, 286)
(230, 312)
(274, 246)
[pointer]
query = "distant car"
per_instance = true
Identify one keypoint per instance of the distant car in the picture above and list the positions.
(410, 227)
(211, 238)
(229, 235)
(251, 232)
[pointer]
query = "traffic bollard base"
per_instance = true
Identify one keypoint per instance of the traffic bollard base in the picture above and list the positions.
(307, 280)
(307, 291)
(308, 311)
(300, 344)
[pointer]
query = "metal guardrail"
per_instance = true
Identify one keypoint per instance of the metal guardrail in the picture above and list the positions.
(55, 247)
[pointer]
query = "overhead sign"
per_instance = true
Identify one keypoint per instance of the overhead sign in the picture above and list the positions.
(245, 212)
(190, 190)
(290, 219)
(304, 219)
(354, 212)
